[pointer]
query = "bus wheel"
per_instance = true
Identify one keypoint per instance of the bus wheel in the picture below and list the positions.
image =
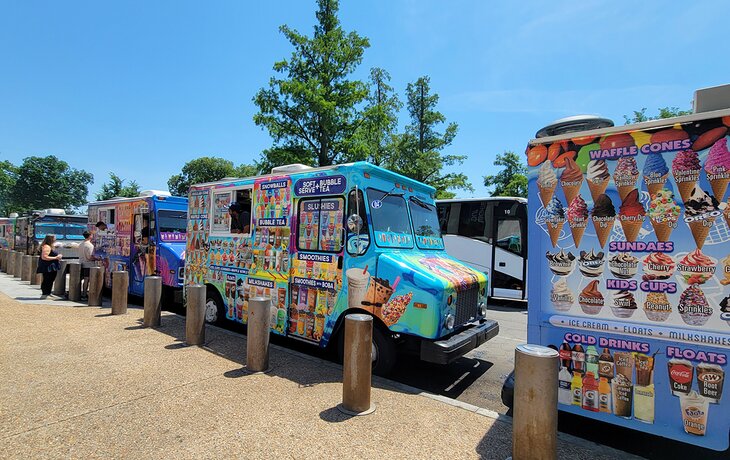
(384, 351)
(214, 312)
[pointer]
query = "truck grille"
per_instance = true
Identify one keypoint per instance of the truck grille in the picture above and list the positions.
(466, 305)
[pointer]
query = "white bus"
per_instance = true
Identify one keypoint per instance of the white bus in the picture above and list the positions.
(491, 235)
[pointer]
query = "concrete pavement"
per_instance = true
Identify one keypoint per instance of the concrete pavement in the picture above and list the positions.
(78, 382)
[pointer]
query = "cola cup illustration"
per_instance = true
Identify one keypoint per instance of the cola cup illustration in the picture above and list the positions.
(680, 376)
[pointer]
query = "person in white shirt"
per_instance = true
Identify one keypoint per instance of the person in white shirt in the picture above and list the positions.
(87, 260)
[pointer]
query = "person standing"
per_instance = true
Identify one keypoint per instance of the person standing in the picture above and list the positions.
(48, 265)
(88, 260)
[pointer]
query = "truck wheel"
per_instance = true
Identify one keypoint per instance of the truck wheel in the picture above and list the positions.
(214, 311)
(384, 352)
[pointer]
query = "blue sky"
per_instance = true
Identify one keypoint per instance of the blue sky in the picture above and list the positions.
(140, 88)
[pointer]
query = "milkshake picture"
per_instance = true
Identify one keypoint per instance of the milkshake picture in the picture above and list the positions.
(357, 286)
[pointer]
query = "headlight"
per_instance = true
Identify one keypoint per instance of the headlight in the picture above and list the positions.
(449, 323)
(482, 309)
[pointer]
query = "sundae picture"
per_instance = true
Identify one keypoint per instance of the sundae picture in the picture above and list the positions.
(663, 214)
(590, 264)
(571, 179)
(717, 168)
(590, 299)
(603, 217)
(623, 305)
(699, 213)
(658, 266)
(686, 171)
(623, 265)
(554, 219)
(561, 263)
(631, 215)
(577, 218)
(625, 175)
(561, 296)
(546, 182)
(655, 172)
(597, 177)
(725, 270)
(693, 306)
(725, 309)
(657, 306)
(696, 268)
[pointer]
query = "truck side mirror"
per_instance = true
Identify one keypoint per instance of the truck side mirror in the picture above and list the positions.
(354, 224)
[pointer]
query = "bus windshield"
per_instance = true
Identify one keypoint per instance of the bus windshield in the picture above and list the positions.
(389, 214)
(425, 224)
(63, 228)
(172, 225)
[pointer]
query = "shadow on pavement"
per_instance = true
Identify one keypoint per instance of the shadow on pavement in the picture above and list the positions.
(333, 415)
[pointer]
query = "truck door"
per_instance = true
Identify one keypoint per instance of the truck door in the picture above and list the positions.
(142, 250)
(509, 268)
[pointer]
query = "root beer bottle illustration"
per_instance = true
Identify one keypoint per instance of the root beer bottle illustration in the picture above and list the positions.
(605, 364)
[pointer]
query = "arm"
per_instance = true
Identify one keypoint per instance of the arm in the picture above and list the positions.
(46, 253)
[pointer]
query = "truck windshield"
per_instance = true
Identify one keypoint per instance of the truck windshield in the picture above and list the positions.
(391, 225)
(172, 225)
(62, 228)
(425, 224)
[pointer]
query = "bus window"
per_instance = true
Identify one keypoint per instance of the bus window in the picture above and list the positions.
(509, 235)
(474, 222)
(444, 211)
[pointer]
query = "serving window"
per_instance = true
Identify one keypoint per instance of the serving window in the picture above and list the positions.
(225, 222)
(321, 224)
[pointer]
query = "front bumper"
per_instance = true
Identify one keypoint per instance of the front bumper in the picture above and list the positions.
(453, 347)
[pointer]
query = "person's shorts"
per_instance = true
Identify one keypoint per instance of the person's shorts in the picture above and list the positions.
(85, 272)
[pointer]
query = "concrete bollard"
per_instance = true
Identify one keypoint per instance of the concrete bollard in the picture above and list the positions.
(34, 277)
(25, 274)
(74, 281)
(152, 301)
(257, 335)
(3, 258)
(120, 289)
(96, 283)
(10, 264)
(357, 366)
(18, 265)
(195, 315)
(535, 421)
(59, 286)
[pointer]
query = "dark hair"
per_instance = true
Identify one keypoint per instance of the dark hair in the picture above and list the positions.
(49, 239)
(235, 206)
(100, 224)
(86, 234)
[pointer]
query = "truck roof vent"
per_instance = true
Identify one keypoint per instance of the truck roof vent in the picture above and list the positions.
(53, 211)
(13, 215)
(712, 98)
(295, 167)
(574, 124)
(154, 192)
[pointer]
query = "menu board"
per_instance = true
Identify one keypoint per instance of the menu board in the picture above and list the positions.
(632, 230)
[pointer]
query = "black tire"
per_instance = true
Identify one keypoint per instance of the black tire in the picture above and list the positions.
(384, 350)
(215, 313)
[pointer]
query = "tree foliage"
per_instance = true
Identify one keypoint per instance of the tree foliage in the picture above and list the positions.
(206, 169)
(664, 112)
(8, 174)
(512, 179)
(313, 104)
(116, 188)
(418, 150)
(47, 182)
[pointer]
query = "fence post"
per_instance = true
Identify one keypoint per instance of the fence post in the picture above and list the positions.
(195, 315)
(152, 299)
(96, 283)
(120, 289)
(357, 365)
(535, 422)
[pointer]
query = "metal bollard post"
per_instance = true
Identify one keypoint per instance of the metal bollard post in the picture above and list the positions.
(357, 366)
(96, 283)
(34, 277)
(59, 286)
(195, 315)
(257, 335)
(25, 273)
(120, 289)
(535, 423)
(74, 281)
(18, 265)
(152, 301)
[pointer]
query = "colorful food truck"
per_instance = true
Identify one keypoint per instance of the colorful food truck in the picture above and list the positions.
(144, 235)
(630, 225)
(328, 241)
(7, 231)
(68, 228)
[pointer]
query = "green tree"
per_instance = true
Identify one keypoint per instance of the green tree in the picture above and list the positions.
(418, 150)
(373, 139)
(512, 179)
(664, 112)
(116, 188)
(8, 174)
(47, 182)
(284, 155)
(206, 169)
(313, 105)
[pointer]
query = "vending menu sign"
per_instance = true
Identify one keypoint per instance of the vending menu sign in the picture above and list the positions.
(632, 228)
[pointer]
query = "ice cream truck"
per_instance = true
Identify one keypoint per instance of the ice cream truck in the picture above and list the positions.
(7, 231)
(325, 242)
(144, 235)
(67, 228)
(629, 225)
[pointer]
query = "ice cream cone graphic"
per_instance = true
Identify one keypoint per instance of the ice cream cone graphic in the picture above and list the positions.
(577, 231)
(546, 193)
(571, 180)
(603, 217)
(554, 219)
(719, 187)
(571, 191)
(603, 229)
(597, 188)
(686, 171)
(631, 228)
(577, 218)
(700, 229)
(547, 180)
(662, 229)
(554, 228)
(685, 189)
(624, 190)
(654, 184)
(717, 168)
(625, 175)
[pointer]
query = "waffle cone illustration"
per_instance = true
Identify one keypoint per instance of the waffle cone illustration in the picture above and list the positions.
(631, 228)
(625, 183)
(654, 184)
(577, 230)
(571, 191)
(719, 187)
(554, 228)
(597, 188)
(685, 189)
(663, 229)
(624, 190)
(726, 215)
(700, 230)
(603, 232)
(546, 193)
